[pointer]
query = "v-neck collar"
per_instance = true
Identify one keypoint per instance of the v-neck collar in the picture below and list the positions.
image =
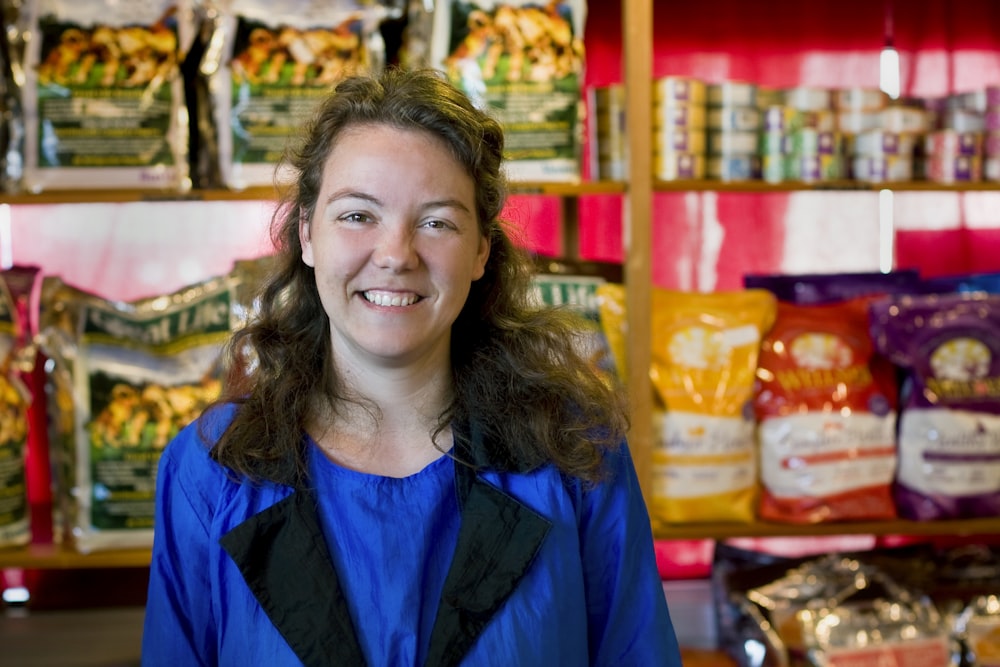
(284, 559)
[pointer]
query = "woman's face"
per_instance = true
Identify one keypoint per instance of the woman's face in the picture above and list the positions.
(395, 245)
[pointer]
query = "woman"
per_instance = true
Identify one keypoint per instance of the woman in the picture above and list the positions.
(412, 465)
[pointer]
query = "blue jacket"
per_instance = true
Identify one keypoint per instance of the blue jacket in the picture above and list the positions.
(451, 567)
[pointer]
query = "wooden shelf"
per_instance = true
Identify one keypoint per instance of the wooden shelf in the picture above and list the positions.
(57, 557)
(129, 196)
(52, 556)
(568, 189)
(827, 186)
(957, 527)
(111, 196)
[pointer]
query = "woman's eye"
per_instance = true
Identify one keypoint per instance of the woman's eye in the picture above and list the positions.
(355, 217)
(437, 224)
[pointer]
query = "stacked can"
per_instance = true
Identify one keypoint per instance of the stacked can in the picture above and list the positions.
(964, 112)
(907, 118)
(859, 110)
(678, 128)
(778, 124)
(814, 107)
(954, 156)
(769, 97)
(991, 138)
(911, 117)
(881, 156)
(608, 134)
(816, 153)
(874, 153)
(733, 122)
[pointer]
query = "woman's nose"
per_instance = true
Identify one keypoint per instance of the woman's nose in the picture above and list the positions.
(396, 249)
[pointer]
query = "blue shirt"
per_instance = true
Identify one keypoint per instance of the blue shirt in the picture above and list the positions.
(444, 566)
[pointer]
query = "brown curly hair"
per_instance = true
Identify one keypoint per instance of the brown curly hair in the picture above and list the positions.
(519, 376)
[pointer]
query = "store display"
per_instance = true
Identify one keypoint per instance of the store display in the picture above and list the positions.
(978, 626)
(677, 166)
(576, 286)
(18, 287)
(960, 119)
(103, 96)
(817, 135)
(732, 94)
(881, 156)
(679, 129)
(609, 133)
(705, 352)
(725, 141)
(807, 98)
(921, 604)
(882, 168)
(949, 427)
(966, 282)
(826, 406)
(122, 380)
(524, 61)
(856, 121)
(838, 611)
(733, 125)
(778, 122)
(991, 164)
(820, 288)
(954, 156)
(860, 99)
(266, 65)
(826, 403)
(679, 89)
(825, 399)
(907, 119)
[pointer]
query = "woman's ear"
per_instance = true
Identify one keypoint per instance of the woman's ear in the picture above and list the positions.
(305, 241)
(481, 258)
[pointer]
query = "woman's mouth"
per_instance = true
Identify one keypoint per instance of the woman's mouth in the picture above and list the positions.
(383, 298)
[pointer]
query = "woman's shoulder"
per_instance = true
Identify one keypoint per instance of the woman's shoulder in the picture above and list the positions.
(188, 454)
(616, 477)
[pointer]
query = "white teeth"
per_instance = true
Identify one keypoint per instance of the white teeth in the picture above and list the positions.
(391, 298)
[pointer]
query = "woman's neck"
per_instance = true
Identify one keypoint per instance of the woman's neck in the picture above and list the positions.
(389, 428)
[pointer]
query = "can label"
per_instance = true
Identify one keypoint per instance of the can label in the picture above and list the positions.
(734, 168)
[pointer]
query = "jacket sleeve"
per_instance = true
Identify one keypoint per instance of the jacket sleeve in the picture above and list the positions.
(179, 626)
(629, 623)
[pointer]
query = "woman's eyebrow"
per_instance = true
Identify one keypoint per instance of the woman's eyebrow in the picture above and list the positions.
(351, 194)
(448, 203)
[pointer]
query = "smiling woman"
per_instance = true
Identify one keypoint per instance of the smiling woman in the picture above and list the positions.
(395, 247)
(411, 464)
